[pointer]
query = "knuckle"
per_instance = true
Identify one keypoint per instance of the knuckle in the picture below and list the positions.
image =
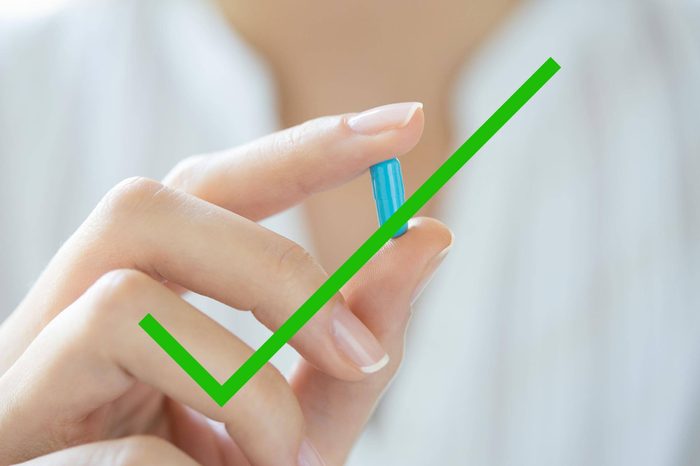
(293, 139)
(295, 264)
(114, 290)
(115, 301)
(131, 195)
(290, 143)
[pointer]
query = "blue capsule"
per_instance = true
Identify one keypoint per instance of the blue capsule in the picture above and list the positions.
(387, 186)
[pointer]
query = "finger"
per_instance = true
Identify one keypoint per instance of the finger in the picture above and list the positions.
(137, 450)
(94, 353)
(207, 442)
(182, 239)
(280, 170)
(380, 295)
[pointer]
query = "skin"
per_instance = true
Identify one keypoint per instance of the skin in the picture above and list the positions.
(115, 399)
(80, 382)
(333, 56)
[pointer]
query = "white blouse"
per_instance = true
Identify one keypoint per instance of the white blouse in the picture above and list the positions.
(564, 327)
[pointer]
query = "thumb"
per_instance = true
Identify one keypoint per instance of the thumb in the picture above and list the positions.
(380, 295)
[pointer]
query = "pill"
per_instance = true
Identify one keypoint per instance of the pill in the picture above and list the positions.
(387, 186)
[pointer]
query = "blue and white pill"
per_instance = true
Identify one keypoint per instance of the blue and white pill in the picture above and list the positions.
(387, 186)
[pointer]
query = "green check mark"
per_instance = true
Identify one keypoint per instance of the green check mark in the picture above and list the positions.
(222, 393)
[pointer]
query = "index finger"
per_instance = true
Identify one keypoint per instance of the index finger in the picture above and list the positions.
(278, 171)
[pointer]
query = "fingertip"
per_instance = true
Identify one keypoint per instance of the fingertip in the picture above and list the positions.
(430, 233)
(417, 121)
(378, 120)
(383, 132)
(400, 265)
(403, 140)
(356, 342)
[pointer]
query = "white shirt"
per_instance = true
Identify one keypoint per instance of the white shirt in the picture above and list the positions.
(564, 327)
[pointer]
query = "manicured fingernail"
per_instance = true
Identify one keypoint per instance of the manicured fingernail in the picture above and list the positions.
(384, 118)
(308, 456)
(356, 341)
(429, 272)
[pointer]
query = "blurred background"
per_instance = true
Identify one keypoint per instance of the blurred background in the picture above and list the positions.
(564, 327)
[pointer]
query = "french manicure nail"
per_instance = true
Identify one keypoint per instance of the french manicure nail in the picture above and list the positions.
(429, 273)
(384, 118)
(308, 456)
(356, 341)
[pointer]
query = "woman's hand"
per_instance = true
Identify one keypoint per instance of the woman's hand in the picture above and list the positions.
(83, 384)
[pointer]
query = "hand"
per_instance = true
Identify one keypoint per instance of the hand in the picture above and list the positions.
(81, 383)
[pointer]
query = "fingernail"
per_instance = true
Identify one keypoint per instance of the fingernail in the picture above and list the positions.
(429, 273)
(384, 118)
(356, 341)
(308, 456)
